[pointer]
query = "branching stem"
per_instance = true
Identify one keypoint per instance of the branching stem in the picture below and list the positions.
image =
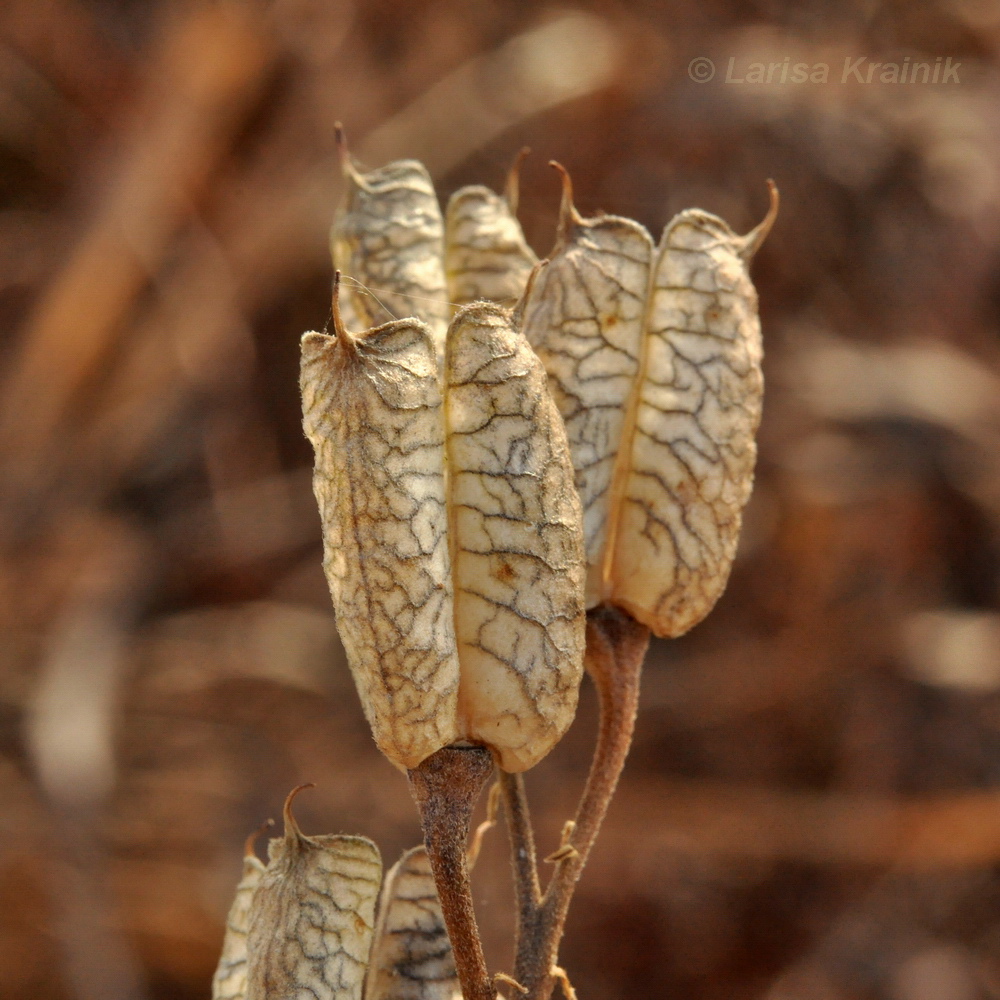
(616, 648)
(527, 889)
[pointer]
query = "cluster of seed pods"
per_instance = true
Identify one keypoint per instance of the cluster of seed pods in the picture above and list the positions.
(502, 444)
(305, 924)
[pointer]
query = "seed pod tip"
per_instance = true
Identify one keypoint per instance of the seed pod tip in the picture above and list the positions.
(512, 189)
(343, 153)
(250, 844)
(517, 313)
(568, 215)
(340, 331)
(292, 831)
(751, 243)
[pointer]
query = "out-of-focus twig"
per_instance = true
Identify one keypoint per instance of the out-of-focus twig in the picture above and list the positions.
(571, 56)
(70, 738)
(209, 65)
(729, 822)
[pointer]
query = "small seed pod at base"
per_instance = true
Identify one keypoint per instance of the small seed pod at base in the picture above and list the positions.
(230, 979)
(411, 955)
(485, 253)
(388, 241)
(655, 361)
(312, 917)
(452, 534)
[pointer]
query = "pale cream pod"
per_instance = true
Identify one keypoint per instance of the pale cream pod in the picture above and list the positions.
(230, 979)
(373, 410)
(654, 356)
(486, 256)
(312, 916)
(452, 534)
(387, 239)
(411, 956)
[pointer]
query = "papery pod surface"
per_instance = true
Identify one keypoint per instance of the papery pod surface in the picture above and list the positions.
(373, 410)
(486, 255)
(516, 541)
(388, 241)
(230, 979)
(411, 956)
(655, 362)
(452, 534)
(312, 917)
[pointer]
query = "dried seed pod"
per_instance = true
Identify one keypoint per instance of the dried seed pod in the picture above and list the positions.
(584, 318)
(230, 979)
(516, 541)
(411, 956)
(372, 408)
(388, 238)
(452, 534)
(312, 916)
(486, 255)
(660, 383)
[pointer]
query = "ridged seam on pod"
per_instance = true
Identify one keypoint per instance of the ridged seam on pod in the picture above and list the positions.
(655, 363)
(486, 255)
(411, 955)
(584, 318)
(452, 533)
(312, 916)
(230, 979)
(388, 237)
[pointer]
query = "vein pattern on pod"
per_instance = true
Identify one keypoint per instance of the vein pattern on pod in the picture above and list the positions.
(312, 916)
(584, 317)
(230, 979)
(655, 362)
(516, 541)
(388, 236)
(486, 255)
(411, 956)
(372, 409)
(452, 534)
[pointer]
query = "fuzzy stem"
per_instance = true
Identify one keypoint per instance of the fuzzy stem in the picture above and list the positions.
(527, 889)
(616, 647)
(446, 787)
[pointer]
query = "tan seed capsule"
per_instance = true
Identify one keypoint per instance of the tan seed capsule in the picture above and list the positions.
(516, 542)
(411, 956)
(486, 255)
(655, 362)
(312, 917)
(584, 318)
(388, 240)
(452, 531)
(372, 408)
(230, 979)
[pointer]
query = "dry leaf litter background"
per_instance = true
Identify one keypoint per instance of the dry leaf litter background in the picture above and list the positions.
(811, 808)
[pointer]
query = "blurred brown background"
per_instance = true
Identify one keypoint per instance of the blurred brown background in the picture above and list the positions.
(812, 810)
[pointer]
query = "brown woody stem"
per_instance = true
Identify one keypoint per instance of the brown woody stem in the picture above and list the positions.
(527, 889)
(446, 787)
(616, 647)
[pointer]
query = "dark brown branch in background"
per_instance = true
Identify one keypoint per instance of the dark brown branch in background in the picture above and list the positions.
(446, 787)
(616, 648)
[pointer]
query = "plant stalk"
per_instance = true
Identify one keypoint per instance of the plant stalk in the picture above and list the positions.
(446, 787)
(527, 888)
(616, 648)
